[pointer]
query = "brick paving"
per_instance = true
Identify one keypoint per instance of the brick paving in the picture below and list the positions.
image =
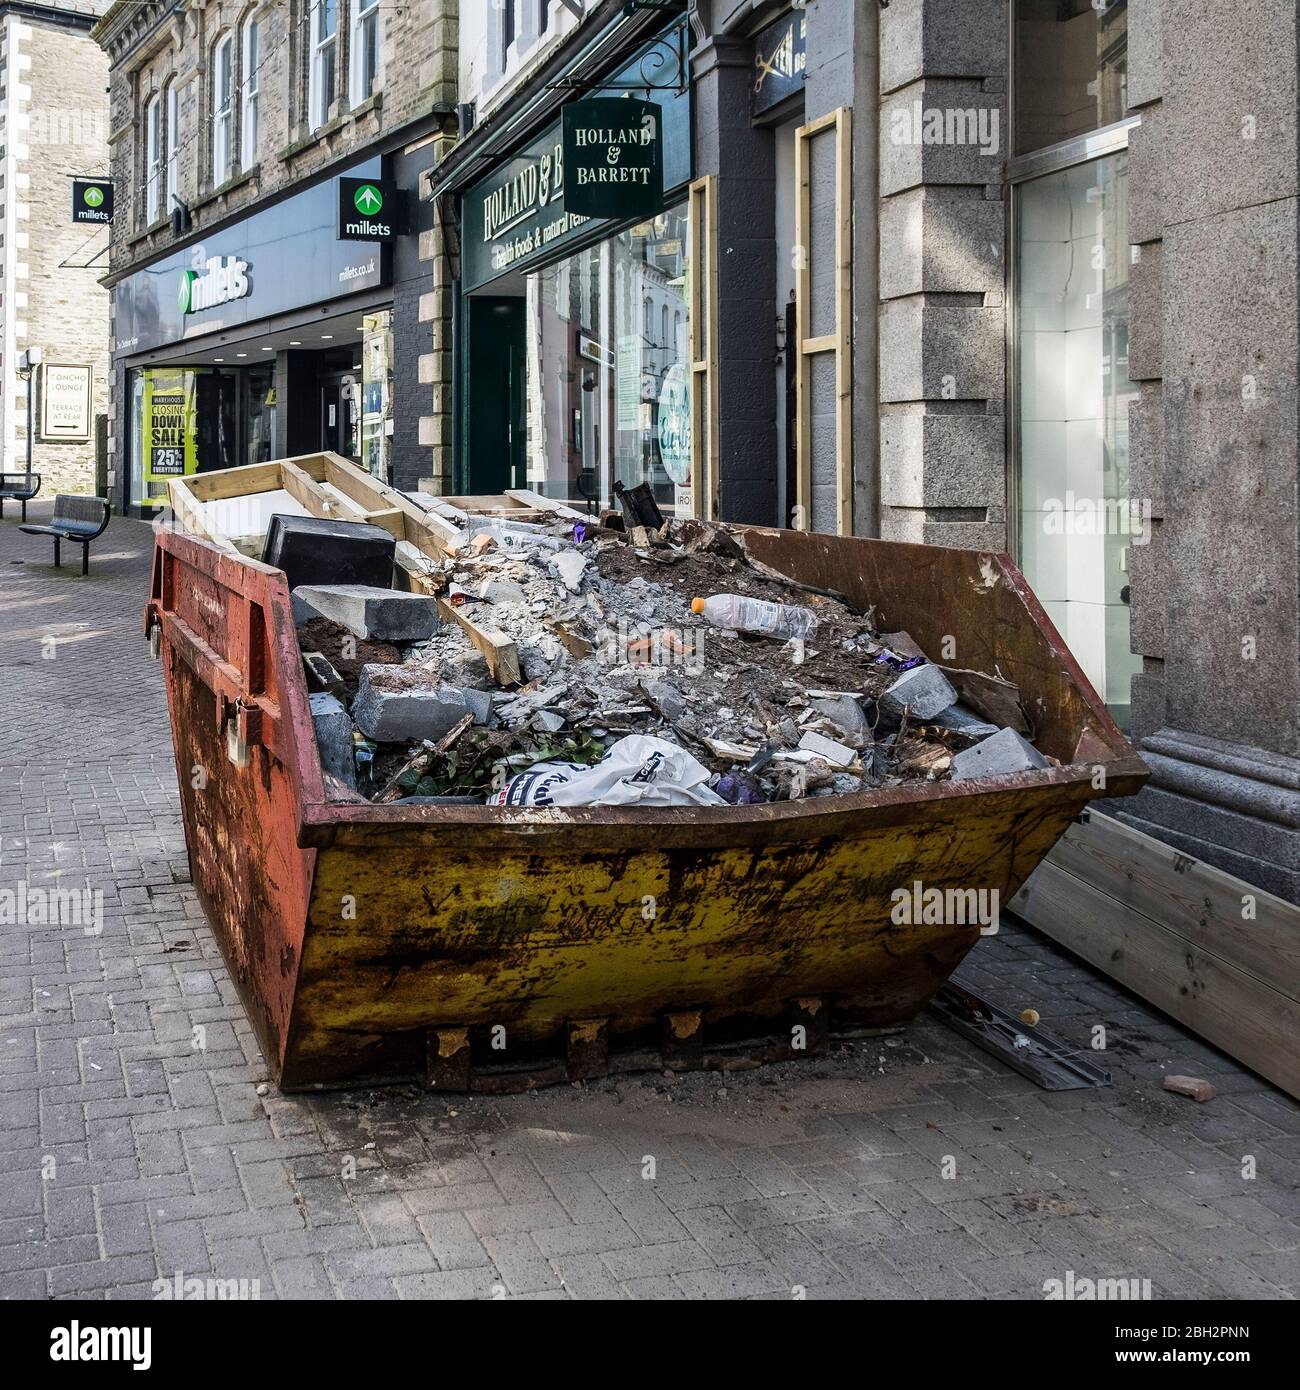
(897, 1167)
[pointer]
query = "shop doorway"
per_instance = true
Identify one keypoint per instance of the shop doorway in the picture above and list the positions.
(494, 427)
(340, 424)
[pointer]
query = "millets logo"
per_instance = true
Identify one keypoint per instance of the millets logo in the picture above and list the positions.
(369, 202)
(220, 281)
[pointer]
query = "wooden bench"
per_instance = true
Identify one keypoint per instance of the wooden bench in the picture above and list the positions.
(18, 487)
(80, 519)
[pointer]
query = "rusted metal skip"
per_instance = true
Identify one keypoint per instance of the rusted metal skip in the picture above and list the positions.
(494, 948)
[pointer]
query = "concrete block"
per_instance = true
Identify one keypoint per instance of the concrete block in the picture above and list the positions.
(394, 704)
(924, 690)
(1145, 66)
(381, 615)
(942, 241)
(932, 460)
(1146, 179)
(935, 38)
(941, 132)
(828, 749)
(847, 713)
(1146, 447)
(1146, 319)
(1006, 752)
(934, 351)
(478, 702)
(1229, 107)
(334, 737)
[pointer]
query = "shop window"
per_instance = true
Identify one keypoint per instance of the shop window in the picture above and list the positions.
(223, 101)
(509, 29)
(605, 401)
(1071, 68)
(544, 16)
(377, 393)
(324, 47)
(173, 143)
(152, 157)
(249, 94)
(1077, 518)
(365, 50)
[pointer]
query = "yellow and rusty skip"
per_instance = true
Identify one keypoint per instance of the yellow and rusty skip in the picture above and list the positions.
(499, 948)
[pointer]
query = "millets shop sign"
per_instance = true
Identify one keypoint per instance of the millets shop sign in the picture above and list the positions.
(367, 210)
(92, 201)
(285, 257)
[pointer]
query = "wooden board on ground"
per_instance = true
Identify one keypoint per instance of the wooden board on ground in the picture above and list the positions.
(1218, 955)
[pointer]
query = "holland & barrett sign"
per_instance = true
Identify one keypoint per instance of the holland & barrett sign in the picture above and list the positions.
(613, 157)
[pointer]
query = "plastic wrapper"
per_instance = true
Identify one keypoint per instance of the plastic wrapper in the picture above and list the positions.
(635, 771)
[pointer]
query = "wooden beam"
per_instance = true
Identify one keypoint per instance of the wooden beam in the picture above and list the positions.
(498, 650)
(545, 504)
(1242, 925)
(1249, 1020)
(234, 482)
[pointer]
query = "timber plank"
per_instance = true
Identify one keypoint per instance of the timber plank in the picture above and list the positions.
(498, 650)
(1245, 1017)
(1198, 901)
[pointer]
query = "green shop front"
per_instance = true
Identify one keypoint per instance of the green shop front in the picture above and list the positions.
(573, 317)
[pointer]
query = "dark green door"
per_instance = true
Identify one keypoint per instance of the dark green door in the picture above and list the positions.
(494, 395)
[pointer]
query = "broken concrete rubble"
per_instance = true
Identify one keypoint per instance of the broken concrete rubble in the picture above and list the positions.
(923, 691)
(384, 615)
(392, 705)
(334, 738)
(999, 756)
(607, 647)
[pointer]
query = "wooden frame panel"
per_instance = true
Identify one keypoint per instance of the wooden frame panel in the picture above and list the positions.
(839, 340)
(702, 207)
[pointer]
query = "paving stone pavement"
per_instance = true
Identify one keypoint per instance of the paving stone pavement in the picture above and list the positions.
(897, 1167)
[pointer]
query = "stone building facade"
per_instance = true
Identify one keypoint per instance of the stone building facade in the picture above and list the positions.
(1010, 274)
(54, 102)
(224, 111)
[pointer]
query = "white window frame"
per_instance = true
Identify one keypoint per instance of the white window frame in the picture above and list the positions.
(249, 92)
(152, 157)
(223, 112)
(172, 145)
(323, 54)
(364, 34)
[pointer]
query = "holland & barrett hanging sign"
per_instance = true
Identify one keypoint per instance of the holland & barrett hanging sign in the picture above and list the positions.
(613, 157)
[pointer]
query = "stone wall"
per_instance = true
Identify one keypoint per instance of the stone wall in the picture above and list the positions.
(153, 45)
(942, 382)
(56, 122)
(1214, 347)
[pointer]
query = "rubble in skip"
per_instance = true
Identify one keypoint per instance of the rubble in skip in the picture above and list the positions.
(656, 666)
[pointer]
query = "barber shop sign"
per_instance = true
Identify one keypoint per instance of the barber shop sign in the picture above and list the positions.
(613, 157)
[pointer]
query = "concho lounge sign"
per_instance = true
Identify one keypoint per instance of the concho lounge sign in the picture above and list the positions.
(613, 151)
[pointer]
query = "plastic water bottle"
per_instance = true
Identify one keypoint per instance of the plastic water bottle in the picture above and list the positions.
(781, 620)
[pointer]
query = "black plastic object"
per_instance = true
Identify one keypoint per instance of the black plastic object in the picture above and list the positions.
(313, 550)
(639, 506)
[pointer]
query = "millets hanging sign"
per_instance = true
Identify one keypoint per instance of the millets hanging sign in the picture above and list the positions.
(613, 155)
